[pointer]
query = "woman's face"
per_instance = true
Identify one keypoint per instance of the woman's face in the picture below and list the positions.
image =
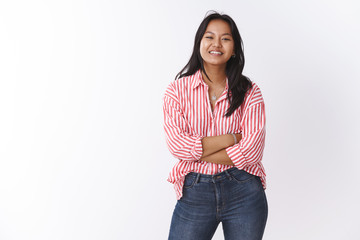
(217, 45)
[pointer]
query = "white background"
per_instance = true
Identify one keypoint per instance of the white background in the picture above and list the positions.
(82, 148)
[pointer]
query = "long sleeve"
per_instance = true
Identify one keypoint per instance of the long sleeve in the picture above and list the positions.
(180, 142)
(250, 149)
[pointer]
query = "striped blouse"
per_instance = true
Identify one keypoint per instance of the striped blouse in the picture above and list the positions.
(188, 118)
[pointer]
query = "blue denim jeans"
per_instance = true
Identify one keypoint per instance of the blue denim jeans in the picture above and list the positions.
(234, 197)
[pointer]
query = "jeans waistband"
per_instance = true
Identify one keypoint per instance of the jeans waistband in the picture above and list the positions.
(200, 177)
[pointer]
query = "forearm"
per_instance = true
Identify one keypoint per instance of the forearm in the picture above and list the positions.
(219, 157)
(214, 144)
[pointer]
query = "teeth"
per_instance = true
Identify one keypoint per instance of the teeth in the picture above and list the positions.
(215, 52)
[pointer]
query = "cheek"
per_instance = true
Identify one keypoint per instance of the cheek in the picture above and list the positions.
(202, 48)
(232, 48)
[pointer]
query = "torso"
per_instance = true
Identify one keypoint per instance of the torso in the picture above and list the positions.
(218, 92)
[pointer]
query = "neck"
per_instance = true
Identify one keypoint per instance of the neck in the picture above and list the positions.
(217, 74)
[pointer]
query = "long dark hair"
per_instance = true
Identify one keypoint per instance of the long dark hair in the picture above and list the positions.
(237, 82)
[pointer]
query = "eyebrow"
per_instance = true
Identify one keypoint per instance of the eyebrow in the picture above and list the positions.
(221, 35)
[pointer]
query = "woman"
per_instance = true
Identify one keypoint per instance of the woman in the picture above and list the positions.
(214, 120)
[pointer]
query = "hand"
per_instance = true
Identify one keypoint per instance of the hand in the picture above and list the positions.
(238, 137)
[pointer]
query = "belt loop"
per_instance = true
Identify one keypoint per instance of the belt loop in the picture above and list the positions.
(197, 178)
(228, 175)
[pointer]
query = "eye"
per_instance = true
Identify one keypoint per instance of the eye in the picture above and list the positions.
(226, 39)
(208, 37)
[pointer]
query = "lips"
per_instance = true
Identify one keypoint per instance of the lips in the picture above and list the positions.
(216, 53)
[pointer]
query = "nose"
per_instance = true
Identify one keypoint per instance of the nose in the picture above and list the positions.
(217, 43)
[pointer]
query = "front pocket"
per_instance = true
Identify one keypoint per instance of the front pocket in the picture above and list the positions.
(242, 176)
(189, 181)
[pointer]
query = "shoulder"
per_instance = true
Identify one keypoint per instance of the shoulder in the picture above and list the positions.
(254, 95)
(180, 86)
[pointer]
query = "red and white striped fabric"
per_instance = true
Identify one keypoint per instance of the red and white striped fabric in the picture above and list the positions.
(188, 118)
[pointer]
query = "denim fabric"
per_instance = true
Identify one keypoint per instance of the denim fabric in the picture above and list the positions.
(234, 197)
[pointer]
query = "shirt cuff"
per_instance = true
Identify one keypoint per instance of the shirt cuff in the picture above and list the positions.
(197, 150)
(236, 156)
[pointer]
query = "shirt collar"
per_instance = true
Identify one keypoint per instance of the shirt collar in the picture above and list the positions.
(198, 79)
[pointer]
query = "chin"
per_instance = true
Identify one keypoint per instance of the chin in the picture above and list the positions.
(215, 63)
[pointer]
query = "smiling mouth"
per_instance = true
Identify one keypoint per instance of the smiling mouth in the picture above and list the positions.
(216, 53)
